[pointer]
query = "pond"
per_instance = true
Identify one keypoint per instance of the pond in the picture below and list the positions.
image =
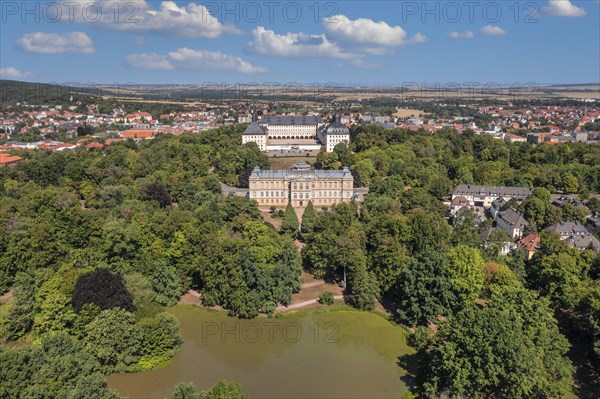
(341, 354)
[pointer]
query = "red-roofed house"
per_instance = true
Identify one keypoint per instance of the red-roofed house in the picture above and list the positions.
(94, 146)
(529, 243)
(112, 141)
(138, 134)
(137, 116)
(9, 160)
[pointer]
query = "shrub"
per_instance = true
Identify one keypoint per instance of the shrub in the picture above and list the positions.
(326, 298)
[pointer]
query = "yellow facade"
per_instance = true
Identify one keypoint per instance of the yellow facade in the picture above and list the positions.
(300, 185)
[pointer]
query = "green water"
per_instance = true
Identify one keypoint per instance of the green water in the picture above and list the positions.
(331, 355)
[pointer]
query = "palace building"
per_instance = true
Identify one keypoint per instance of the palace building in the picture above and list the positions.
(299, 185)
(283, 132)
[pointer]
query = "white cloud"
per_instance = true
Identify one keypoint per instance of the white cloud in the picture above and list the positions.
(366, 32)
(343, 38)
(462, 35)
(493, 30)
(190, 21)
(57, 43)
(562, 8)
(13, 73)
(186, 58)
(418, 38)
(300, 45)
(148, 61)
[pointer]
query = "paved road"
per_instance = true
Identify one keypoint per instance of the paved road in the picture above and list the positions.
(229, 190)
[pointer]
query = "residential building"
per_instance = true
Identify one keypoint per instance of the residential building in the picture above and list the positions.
(137, 116)
(529, 244)
(138, 134)
(483, 196)
(575, 235)
(584, 242)
(568, 229)
(497, 206)
(9, 160)
(512, 222)
(593, 221)
(491, 237)
(513, 138)
(299, 185)
(459, 202)
(94, 146)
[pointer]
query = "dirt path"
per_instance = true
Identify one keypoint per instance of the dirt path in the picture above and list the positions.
(301, 305)
(191, 297)
(309, 294)
(312, 284)
(6, 297)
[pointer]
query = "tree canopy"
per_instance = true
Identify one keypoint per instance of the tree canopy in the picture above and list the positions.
(104, 289)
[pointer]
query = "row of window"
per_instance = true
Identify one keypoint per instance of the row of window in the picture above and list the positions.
(275, 201)
(291, 127)
(268, 194)
(297, 186)
(326, 194)
(272, 201)
(292, 137)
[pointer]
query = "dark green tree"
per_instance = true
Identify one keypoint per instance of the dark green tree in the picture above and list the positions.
(157, 192)
(187, 390)
(424, 291)
(166, 283)
(102, 288)
(225, 390)
(114, 339)
(56, 367)
(466, 274)
(465, 230)
(512, 350)
(362, 287)
(159, 335)
(21, 311)
(289, 224)
(309, 219)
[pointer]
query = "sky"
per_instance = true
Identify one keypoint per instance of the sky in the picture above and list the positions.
(394, 42)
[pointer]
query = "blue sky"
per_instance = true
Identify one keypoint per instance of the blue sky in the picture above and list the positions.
(344, 42)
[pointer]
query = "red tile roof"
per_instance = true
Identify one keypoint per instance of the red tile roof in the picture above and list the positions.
(7, 159)
(138, 133)
(530, 242)
(94, 146)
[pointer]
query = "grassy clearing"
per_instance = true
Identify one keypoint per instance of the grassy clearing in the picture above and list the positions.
(282, 163)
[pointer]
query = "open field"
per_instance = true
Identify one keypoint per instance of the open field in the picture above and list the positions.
(505, 94)
(405, 113)
(146, 101)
